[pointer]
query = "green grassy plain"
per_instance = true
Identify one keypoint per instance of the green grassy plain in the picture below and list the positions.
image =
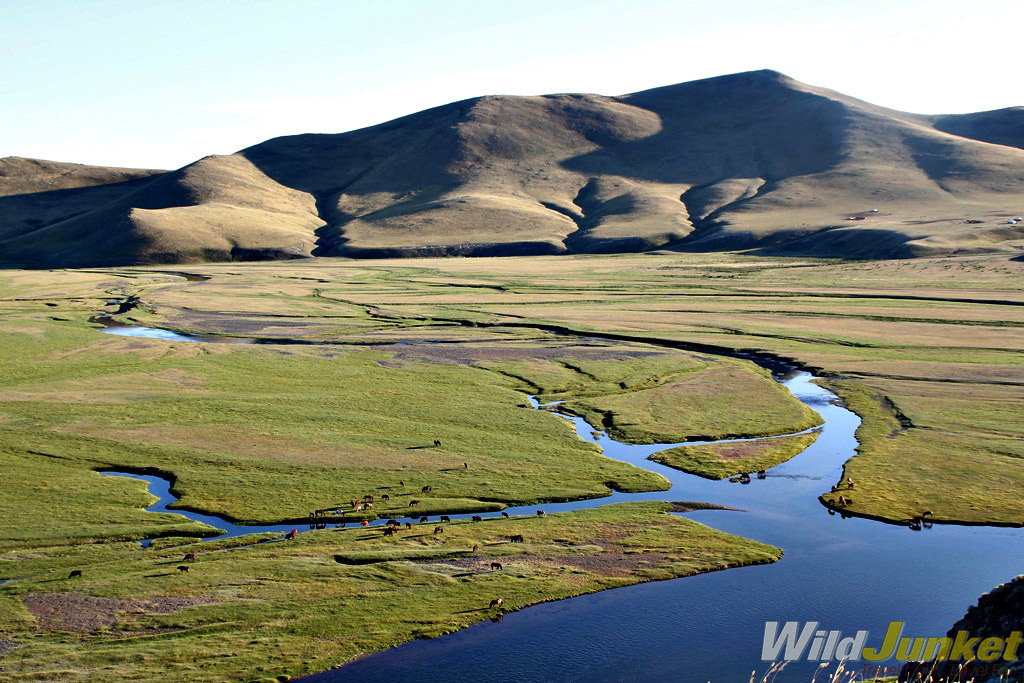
(367, 362)
(288, 607)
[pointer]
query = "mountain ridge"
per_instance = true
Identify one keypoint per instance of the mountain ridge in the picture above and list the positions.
(754, 160)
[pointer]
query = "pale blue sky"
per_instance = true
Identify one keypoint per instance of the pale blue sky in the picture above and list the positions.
(161, 83)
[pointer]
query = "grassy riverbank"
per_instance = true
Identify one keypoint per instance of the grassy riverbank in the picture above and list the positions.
(718, 461)
(291, 608)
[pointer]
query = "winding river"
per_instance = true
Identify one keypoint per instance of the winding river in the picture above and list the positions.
(848, 573)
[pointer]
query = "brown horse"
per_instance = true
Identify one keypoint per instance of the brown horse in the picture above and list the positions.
(189, 557)
(389, 531)
(413, 502)
(477, 518)
(393, 522)
(291, 534)
(364, 523)
(385, 497)
(424, 519)
(445, 518)
(427, 489)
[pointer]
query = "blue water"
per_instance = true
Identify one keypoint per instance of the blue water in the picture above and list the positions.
(849, 574)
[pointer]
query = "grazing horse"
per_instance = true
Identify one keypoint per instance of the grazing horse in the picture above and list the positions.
(424, 519)
(408, 525)
(358, 508)
(437, 442)
(189, 557)
(427, 489)
(291, 534)
(496, 565)
(385, 497)
(364, 523)
(389, 531)
(477, 518)
(445, 518)
(504, 514)
(413, 502)
(393, 522)
(75, 574)
(182, 567)
(368, 506)
(518, 538)
(849, 482)
(368, 497)
(496, 602)
(438, 529)
(541, 513)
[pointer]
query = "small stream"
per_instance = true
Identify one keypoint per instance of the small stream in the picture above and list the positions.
(848, 573)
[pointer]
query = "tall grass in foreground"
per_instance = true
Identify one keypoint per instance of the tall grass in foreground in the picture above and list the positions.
(965, 673)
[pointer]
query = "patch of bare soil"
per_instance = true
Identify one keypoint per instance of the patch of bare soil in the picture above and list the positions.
(462, 354)
(7, 645)
(85, 613)
(611, 563)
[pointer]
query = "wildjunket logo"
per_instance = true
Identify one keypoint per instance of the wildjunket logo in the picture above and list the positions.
(792, 643)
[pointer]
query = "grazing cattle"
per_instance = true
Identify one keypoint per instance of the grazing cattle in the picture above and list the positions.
(423, 519)
(389, 531)
(364, 523)
(541, 513)
(182, 567)
(445, 518)
(427, 489)
(408, 525)
(496, 565)
(438, 529)
(385, 497)
(497, 602)
(75, 574)
(518, 538)
(477, 518)
(504, 514)
(189, 557)
(849, 482)
(413, 502)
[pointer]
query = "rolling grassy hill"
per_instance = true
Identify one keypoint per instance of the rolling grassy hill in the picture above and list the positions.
(751, 160)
